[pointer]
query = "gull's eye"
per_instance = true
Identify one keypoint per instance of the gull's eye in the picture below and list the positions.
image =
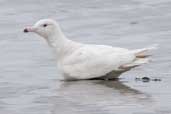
(44, 25)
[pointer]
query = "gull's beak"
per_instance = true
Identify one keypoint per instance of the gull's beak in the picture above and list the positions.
(29, 29)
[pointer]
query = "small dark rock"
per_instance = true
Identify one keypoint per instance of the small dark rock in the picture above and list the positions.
(145, 79)
(156, 79)
(133, 23)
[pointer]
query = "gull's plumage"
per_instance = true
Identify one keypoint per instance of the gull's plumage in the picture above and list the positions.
(86, 61)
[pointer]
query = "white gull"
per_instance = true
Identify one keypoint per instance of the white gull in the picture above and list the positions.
(86, 61)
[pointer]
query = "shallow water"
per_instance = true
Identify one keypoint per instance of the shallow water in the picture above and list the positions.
(29, 81)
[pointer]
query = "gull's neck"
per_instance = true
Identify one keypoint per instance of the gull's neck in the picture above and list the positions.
(57, 39)
(61, 44)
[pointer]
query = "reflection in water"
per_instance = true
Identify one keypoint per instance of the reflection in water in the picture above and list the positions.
(98, 97)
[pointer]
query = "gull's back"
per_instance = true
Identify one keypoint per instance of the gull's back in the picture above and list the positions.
(92, 61)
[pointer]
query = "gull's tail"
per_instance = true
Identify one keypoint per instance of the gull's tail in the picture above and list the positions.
(144, 52)
(141, 57)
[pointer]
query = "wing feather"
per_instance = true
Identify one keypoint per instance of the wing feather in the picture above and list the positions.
(92, 61)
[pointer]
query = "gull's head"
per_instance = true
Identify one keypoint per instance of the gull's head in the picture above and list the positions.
(44, 28)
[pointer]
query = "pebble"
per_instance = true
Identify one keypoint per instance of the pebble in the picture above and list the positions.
(147, 79)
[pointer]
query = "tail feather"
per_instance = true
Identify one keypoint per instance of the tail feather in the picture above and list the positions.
(144, 52)
(141, 57)
(137, 62)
